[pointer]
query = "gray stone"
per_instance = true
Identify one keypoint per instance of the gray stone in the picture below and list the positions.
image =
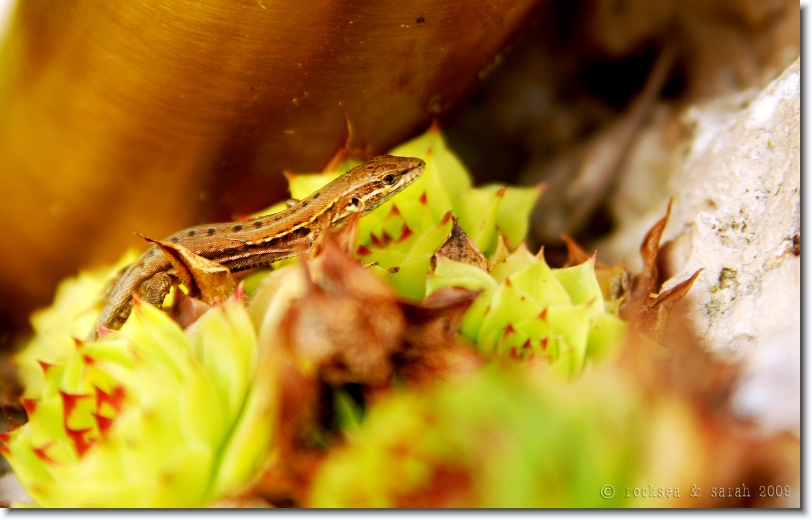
(735, 178)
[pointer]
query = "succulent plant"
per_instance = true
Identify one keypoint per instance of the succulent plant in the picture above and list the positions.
(527, 310)
(149, 417)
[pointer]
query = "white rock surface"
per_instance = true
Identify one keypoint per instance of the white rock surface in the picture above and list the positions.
(735, 175)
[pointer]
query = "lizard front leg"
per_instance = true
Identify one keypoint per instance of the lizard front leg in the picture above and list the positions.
(155, 289)
(152, 290)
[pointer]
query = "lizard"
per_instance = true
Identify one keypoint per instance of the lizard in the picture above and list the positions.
(260, 241)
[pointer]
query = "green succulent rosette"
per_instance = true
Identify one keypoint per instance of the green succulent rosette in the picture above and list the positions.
(528, 310)
(403, 235)
(153, 416)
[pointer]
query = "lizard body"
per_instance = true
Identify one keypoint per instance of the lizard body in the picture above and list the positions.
(259, 241)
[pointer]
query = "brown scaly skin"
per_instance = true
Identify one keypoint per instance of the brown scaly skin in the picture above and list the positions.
(259, 241)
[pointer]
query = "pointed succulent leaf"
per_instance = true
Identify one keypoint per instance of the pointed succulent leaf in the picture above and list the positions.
(428, 241)
(450, 273)
(472, 319)
(250, 439)
(402, 276)
(477, 212)
(157, 338)
(501, 252)
(539, 283)
(231, 370)
(570, 325)
(606, 334)
(516, 201)
(582, 285)
(503, 267)
(431, 146)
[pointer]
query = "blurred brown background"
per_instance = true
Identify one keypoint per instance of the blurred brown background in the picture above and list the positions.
(118, 117)
(588, 77)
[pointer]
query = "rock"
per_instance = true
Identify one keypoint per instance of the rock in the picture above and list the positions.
(735, 178)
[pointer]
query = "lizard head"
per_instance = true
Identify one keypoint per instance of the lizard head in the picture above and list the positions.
(378, 180)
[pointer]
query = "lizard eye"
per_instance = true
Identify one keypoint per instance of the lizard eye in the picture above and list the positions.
(390, 178)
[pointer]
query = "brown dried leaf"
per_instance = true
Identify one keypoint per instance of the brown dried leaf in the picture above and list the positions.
(575, 254)
(654, 313)
(672, 296)
(695, 374)
(645, 283)
(430, 349)
(348, 324)
(644, 307)
(460, 248)
(350, 328)
(206, 279)
(363, 331)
